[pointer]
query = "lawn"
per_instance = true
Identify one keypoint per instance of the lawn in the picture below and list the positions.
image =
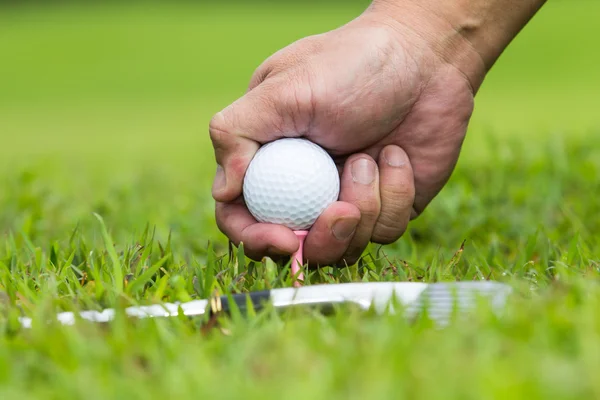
(105, 174)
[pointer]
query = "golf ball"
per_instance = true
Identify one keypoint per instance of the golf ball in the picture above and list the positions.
(290, 182)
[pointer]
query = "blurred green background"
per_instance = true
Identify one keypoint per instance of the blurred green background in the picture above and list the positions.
(105, 107)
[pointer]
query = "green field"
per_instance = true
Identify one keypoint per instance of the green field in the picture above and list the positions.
(105, 109)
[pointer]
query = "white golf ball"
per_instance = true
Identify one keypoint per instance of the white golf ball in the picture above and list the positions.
(290, 182)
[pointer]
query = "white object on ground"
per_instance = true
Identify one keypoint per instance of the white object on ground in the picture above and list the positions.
(290, 182)
(441, 300)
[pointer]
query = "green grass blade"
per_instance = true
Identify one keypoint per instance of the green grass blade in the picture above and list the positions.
(140, 281)
(117, 269)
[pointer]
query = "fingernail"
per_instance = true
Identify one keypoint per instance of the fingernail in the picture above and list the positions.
(344, 228)
(394, 156)
(363, 171)
(220, 180)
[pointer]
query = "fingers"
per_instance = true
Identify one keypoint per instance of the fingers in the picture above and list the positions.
(360, 187)
(375, 204)
(397, 191)
(233, 132)
(329, 237)
(236, 222)
(271, 110)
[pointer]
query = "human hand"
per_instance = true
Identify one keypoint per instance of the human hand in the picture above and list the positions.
(387, 97)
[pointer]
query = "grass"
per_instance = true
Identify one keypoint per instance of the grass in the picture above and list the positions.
(104, 201)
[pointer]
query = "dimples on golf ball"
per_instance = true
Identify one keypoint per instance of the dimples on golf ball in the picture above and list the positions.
(290, 182)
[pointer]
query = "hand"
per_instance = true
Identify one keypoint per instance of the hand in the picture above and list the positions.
(385, 102)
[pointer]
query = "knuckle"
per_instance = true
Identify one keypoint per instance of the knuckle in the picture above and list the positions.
(369, 208)
(369, 212)
(302, 90)
(218, 128)
(232, 151)
(296, 103)
(261, 73)
(394, 218)
(400, 191)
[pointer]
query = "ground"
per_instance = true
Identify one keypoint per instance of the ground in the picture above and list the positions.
(105, 179)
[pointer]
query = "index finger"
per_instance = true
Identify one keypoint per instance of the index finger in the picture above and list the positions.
(262, 115)
(260, 239)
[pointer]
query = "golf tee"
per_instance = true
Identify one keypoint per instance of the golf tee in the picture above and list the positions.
(298, 259)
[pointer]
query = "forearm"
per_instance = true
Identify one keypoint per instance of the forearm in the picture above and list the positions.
(457, 27)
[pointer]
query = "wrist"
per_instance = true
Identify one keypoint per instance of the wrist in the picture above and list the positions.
(468, 34)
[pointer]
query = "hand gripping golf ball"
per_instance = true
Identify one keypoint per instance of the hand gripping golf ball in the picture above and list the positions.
(291, 182)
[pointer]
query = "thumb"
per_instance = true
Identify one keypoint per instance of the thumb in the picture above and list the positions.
(268, 112)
